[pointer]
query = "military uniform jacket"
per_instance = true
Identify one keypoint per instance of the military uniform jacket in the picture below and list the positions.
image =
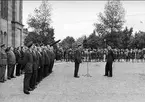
(35, 60)
(43, 58)
(77, 56)
(3, 57)
(18, 56)
(11, 59)
(28, 57)
(110, 56)
(49, 57)
(40, 59)
(46, 57)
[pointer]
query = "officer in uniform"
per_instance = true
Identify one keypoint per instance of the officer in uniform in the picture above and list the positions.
(3, 63)
(33, 79)
(46, 61)
(77, 60)
(110, 59)
(28, 70)
(39, 78)
(11, 61)
(52, 59)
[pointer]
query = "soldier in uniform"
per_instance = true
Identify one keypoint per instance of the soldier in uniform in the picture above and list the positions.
(3, 63)
(133, 55)
(77, 60)
(33, 79)
(28, 70)
(11, 60)
(52, 59)
(18, 61)
(39, 78)
(110, 59)
(46, 61)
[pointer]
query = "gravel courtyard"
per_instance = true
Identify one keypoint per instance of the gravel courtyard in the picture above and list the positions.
(126, 85)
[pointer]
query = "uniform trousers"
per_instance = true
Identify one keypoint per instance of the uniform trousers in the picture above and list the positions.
(10, 71)
(108, 69)
(33, 79)
(76, 69)
(27, 77)
(18, 69)
(2, 72)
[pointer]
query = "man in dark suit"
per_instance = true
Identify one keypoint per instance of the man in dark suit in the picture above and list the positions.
(110, 59)
(28, 59)
(77, 60)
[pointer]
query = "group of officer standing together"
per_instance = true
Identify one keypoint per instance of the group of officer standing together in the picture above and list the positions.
(36, 62)
(109, 60)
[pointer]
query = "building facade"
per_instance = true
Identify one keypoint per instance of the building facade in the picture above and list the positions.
(11, 27)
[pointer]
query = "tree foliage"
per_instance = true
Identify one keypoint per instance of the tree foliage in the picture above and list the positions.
(139, 40)
(92, 40)
(40, 20)
(40, 38)
(112, 19)
(40, 23)
(67, 42)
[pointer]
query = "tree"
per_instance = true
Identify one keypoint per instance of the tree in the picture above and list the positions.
(41, 19)
(113, 18)
(40, 23)
(80, 39)
(67, 42)
(139, 40)
(39, 38)
(125, 37)
(85, 43)
(92, 41)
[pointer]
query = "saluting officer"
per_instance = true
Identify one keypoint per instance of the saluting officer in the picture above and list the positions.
(77, 60)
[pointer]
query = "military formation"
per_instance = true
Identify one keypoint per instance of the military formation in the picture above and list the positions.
(99, 55)
(33, 60)
(36, 61)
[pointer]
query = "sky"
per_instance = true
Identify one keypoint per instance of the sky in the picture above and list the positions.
(76, 18)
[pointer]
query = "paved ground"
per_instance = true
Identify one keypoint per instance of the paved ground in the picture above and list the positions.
(126, 85)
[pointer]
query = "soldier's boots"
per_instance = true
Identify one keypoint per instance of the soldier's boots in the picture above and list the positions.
(26, 92)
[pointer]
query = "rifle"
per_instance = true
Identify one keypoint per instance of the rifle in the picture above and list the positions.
(54, 42)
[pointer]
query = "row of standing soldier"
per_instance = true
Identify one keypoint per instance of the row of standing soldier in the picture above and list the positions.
(36, 62)
(100, 54)
(39, 62)
(11, 58)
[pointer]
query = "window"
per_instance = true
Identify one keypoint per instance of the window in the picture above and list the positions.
(4, 9)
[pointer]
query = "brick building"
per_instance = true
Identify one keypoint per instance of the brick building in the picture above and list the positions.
(11, 27)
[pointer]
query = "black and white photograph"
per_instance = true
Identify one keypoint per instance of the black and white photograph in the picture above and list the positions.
(72, 51)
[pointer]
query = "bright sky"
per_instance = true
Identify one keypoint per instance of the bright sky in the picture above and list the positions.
(76, 18)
